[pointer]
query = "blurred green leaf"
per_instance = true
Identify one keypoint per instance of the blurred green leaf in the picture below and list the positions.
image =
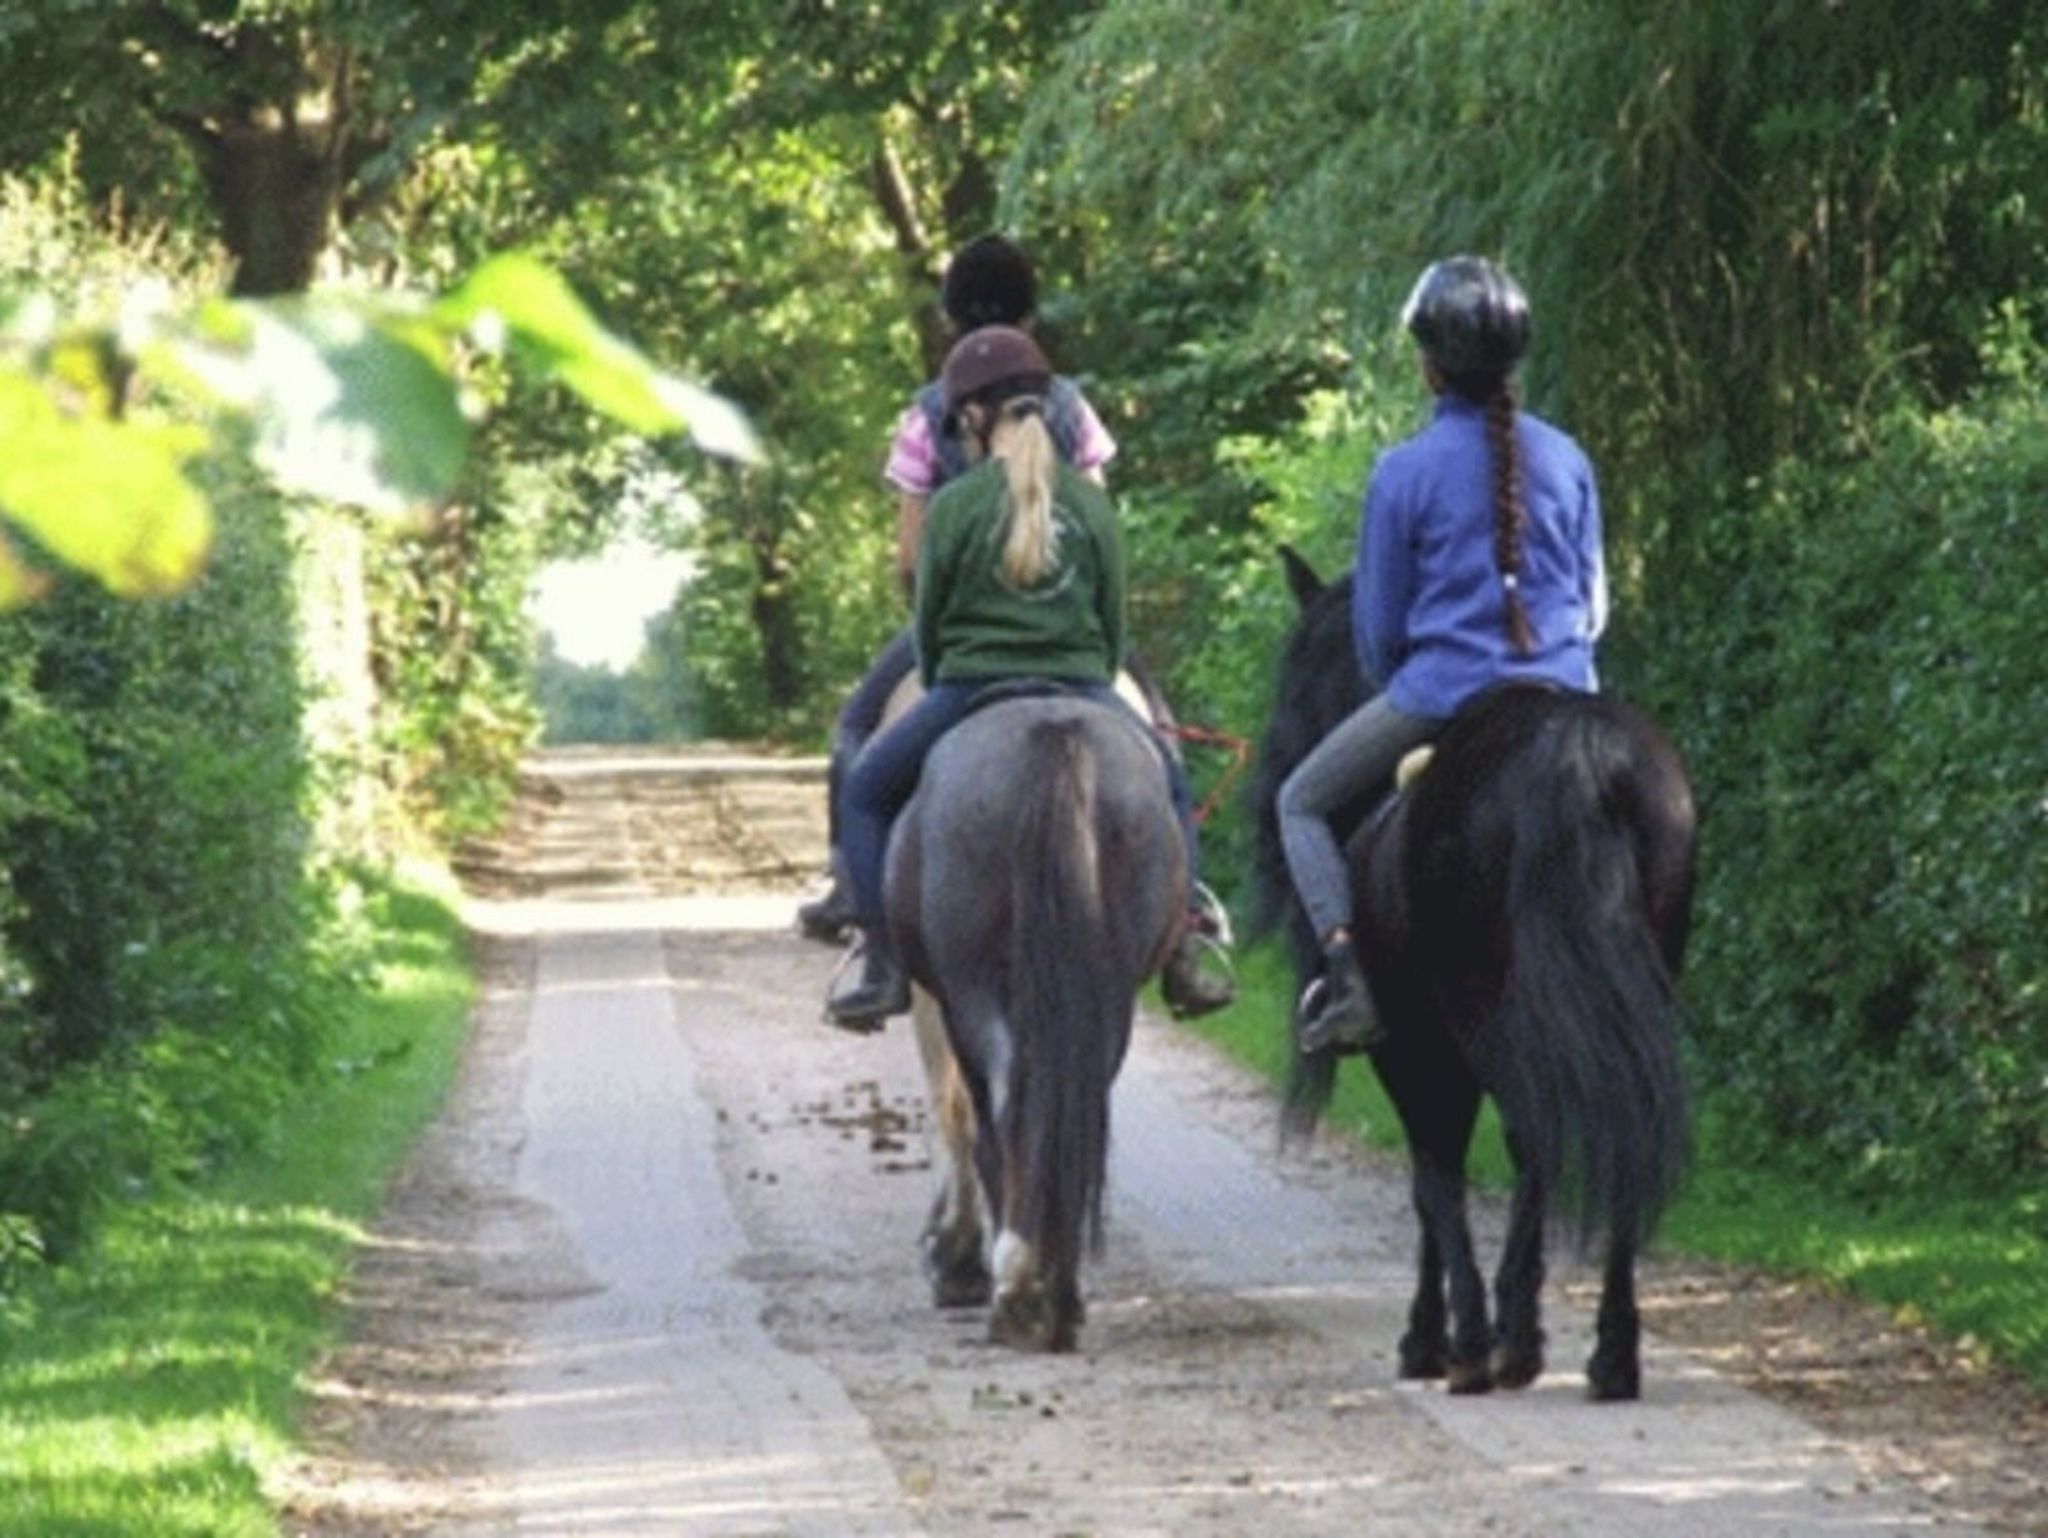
(352, 398)
(518, 302)
(105, 496)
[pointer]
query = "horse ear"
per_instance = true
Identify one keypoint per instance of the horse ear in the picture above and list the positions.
(1301, 577)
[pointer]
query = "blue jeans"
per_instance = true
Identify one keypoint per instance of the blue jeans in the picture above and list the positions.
(858, 719)
(885, 776)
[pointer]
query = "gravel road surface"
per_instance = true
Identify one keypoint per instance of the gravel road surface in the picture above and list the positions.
(654, 1273)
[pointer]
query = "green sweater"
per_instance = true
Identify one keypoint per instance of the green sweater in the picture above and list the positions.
(972, 625)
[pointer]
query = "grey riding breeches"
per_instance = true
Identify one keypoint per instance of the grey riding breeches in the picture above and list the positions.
(1360, 752)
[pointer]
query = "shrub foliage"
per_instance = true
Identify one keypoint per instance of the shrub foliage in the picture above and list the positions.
(1863, 705)
(164, 933)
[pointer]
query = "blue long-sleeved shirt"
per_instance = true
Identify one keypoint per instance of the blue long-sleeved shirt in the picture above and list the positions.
(1429, 609)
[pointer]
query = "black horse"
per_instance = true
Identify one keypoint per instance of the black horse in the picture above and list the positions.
(1523, 910)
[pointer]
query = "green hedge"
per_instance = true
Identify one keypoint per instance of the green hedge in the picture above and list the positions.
(154, 842)
(1864, 696)
(164, 943)
(1856, 672)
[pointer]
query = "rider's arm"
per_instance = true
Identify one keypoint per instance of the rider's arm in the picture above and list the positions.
(1093, 447)
(910, 508)
(913, 470)
(1112, 594)
(1592, 553)
(1383, 582)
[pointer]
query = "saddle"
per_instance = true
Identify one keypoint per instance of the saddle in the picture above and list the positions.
(996, 691)
(1413, 762)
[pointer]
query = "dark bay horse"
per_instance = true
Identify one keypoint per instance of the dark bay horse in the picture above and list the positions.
(1523, 911)
(1035, 881)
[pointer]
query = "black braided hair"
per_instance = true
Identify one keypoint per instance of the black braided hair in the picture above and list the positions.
(1510, 510)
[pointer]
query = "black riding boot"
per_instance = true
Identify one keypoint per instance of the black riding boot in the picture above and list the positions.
(1190, 991)
(881, 990)
(828, 918)
(1336, 1011)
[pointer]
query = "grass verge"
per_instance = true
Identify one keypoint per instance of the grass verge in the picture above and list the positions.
(1975, 1270)
(152, 1386)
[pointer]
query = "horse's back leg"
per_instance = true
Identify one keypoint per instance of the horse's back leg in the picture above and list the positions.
(953, 1246)
(1518, 1285)
(1425, 1349)
(1439, 1107)
(1037, 1305)
(1615, 1369)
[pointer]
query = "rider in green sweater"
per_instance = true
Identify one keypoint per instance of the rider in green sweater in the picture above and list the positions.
(1020, 574)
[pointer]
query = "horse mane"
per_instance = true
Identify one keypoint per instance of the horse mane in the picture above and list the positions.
(1316, 684)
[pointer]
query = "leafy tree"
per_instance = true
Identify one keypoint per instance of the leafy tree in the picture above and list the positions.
(1736, 223)
(595, 703)
(282, 119)
(783, 233)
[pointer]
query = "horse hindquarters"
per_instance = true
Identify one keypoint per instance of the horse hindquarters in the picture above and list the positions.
(1033, 882)
(1591, 1089)
(1066, 1041)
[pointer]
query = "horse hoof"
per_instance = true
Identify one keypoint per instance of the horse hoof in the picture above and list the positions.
(1030, 1321)
(1468, 1378)
(1516, 1368)
(1021, 1322)
(962, 1290)
(1607, 1384)
(1420, 1361)
(958, 1275)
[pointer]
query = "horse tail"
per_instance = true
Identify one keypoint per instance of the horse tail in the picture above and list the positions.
(1070, 1013)
(1590, 1080)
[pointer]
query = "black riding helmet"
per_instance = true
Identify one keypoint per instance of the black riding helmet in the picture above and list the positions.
(1468, 316)
(989, 282)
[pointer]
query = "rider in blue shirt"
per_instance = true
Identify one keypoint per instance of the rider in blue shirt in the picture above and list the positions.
(1479, 563)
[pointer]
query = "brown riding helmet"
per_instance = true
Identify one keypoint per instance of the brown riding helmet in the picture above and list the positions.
(992, 356)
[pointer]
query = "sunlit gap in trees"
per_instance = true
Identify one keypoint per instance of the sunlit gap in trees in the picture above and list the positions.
(596, 608)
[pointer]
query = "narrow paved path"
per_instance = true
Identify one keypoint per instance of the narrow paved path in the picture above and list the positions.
(686, 1255)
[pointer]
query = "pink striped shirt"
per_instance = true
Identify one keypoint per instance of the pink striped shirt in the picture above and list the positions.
(914, 460)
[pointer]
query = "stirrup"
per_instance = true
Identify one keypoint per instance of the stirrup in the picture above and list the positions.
(1312, 1032)
(1201, 990)
(1308, 1005)
(853, 953)
(1216, 952)
(866, 1022)
(1213, 919)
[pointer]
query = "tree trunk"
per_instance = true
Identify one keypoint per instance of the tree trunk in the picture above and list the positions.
(276, 149)
(898, 202)
(276, 187)
(775, 623)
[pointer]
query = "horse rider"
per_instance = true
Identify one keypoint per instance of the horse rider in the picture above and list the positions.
(989, 282)
(1479, 561)
(1020, 575)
